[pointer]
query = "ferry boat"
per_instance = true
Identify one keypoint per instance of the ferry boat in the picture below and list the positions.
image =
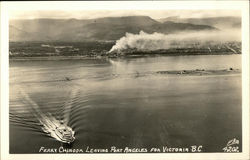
(58, 130)
(64, 134)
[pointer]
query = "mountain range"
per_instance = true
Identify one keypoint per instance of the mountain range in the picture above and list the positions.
(218, 22)
(104, 29)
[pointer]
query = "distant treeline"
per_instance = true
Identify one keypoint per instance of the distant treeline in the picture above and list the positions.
(88, 48)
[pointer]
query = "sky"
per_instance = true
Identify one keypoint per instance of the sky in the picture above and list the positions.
(87, 14)
(90, 10)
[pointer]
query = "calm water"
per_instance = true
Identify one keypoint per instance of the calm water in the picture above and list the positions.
(122, 103)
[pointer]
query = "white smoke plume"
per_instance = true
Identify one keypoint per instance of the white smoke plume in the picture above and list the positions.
(144, 41)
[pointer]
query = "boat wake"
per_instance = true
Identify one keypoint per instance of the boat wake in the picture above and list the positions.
(52, 126)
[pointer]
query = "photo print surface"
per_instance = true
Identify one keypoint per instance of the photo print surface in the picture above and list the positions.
(118, 81)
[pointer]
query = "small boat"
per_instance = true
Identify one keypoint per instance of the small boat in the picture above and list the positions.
(67, 79)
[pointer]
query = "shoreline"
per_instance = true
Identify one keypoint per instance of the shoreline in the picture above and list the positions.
(108, 56)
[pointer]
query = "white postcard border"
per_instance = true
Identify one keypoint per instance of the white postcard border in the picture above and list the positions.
(7, 7)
